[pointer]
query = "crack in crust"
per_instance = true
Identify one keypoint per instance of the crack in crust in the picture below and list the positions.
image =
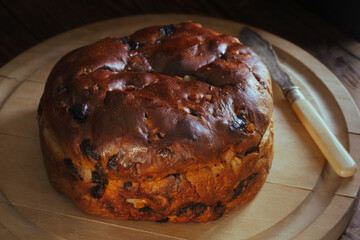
(196, 195)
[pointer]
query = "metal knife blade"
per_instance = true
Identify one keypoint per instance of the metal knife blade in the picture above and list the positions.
(267, 54)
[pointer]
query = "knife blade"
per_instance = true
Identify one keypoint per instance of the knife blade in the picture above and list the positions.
(334, 152)
(267, 54)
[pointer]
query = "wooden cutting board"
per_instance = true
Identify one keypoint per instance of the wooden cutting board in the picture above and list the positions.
(302, 197)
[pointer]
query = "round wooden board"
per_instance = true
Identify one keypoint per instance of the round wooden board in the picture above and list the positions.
(302, 198)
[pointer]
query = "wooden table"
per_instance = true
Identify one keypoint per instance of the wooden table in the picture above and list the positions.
(24, 25)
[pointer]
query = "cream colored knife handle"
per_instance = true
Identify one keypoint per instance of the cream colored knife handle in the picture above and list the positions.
(335, 153)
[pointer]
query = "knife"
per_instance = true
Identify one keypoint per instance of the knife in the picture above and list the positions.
(334, 152)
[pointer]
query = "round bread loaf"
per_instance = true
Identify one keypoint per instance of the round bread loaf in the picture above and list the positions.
(172, 123)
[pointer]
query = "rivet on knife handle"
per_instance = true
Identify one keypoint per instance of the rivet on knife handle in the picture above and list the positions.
(335, 153)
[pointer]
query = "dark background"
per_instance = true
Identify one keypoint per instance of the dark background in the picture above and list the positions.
(329, 30)
(344, 15)
(26, 23)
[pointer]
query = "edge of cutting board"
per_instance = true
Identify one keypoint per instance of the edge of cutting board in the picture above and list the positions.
(335, 216)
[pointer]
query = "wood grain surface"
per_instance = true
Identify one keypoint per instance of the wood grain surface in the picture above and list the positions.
(23, 25)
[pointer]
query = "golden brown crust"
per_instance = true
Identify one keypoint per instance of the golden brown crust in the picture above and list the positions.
(172, 122)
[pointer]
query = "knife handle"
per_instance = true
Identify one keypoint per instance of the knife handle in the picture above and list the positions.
(335, 153)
